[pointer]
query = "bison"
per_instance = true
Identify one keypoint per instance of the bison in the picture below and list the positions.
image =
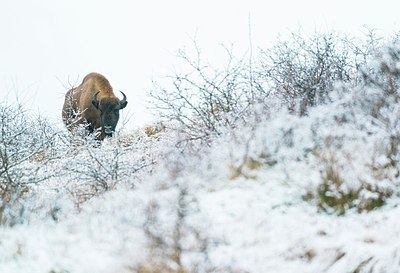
(94, 105)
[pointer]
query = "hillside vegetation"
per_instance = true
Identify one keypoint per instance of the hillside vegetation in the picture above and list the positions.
(282, 161)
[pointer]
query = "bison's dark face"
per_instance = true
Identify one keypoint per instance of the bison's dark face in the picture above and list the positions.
(109, 112)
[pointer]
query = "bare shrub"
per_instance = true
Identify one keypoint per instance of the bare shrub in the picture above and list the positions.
(302, 70)
(26, 144)
(380, 97)
(202, 99)
(171, 242)
(374, 112)
(94, 169)
(383, 77)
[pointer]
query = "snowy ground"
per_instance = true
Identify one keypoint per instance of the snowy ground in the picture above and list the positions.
(237, 206)
(279, 193)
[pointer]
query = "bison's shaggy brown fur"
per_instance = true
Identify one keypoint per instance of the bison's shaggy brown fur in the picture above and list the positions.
(93, 104)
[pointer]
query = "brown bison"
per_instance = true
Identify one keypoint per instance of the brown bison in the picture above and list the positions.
(94, 105)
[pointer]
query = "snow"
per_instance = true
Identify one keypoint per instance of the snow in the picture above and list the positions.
(247, 202)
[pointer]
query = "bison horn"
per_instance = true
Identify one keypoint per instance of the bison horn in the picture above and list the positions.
(95, 101)
(123, 101)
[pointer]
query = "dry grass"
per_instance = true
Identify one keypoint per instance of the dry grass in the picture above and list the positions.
(162, 267)
(334, 193)
(155, 130)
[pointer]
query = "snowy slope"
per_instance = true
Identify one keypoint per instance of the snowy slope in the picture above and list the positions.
(247, 203)
(274, 192)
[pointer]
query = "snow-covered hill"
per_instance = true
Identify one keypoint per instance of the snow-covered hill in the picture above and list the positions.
(276, 193)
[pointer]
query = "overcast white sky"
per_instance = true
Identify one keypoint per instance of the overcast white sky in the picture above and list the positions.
(45, 44)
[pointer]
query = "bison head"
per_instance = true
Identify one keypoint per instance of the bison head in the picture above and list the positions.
(109, 111)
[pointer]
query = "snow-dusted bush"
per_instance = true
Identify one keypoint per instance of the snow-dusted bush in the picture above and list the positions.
(26, 144)
(373, 112)
(90, 168)
(300, 73)
(344, 155)
(203, 99)
(302, 70)
(341, 190)
(172, 241)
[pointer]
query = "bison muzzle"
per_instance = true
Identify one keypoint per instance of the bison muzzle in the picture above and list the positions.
(94, 106)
